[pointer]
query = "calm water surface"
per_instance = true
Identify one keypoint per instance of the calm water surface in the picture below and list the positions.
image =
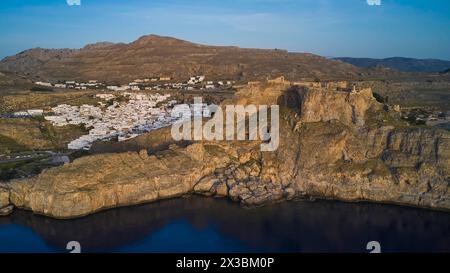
(198, 224)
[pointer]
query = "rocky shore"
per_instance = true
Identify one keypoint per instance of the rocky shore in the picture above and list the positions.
(333, 145)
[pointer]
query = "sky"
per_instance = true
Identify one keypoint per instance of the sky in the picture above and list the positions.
(331, 28)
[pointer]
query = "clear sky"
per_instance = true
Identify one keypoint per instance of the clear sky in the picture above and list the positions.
(353, 28)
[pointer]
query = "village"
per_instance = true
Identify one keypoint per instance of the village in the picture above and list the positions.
(121, 117)
(121, 112)
(122, 120)
(154, 83)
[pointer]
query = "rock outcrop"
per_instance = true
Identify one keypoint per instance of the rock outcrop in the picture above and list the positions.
(333, 145)
(104, 181)
(5, 206)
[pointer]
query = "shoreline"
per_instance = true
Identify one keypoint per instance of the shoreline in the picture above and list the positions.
(308, 199)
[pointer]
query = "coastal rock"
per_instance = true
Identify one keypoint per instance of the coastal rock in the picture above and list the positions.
(332, 145)
(5, 206)
(6, 210)
(100, 182)
(4, 196)
(206, 185)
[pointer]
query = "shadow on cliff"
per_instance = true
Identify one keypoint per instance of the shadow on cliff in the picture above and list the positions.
(291, 98)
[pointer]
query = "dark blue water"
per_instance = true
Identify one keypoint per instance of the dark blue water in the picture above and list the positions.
(197, 224)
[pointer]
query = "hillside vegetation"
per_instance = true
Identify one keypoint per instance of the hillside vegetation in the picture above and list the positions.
(18, 135)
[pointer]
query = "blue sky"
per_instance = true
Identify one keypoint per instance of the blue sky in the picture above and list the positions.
(410, 28)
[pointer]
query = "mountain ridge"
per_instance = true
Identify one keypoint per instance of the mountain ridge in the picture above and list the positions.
(399, 63)
(154, 55)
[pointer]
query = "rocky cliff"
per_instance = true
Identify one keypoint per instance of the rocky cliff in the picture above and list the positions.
(333, 145)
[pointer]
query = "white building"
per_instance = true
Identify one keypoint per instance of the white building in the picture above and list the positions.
(196, 80)
(105, 96)
(35, 112)
(44, 84)
(21, 114)
(112, 87)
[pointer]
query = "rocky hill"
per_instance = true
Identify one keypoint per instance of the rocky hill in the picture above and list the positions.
(165, 56)
(400, 64)
(29, 62)
(10, 81)
(333, 144)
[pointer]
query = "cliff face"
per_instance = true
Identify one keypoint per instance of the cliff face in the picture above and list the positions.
(407, 167)
(348, 108)
(345, 146)
(333, 145)
(105, 181)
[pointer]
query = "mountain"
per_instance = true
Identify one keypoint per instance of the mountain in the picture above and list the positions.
(8, 79)
(12, 82)
(28, 62)
(400, 64)
(154, 55)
